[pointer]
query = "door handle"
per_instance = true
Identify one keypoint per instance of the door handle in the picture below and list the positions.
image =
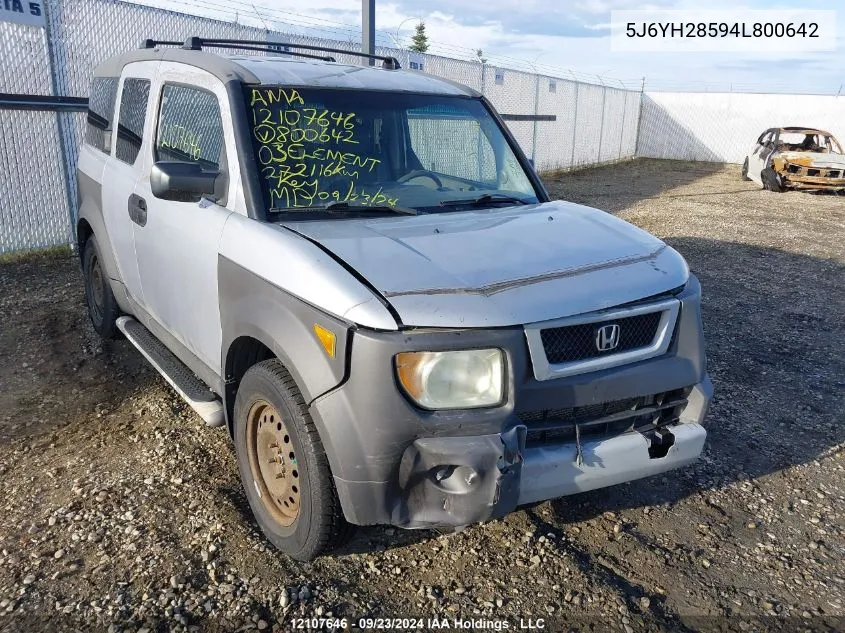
(138, 209)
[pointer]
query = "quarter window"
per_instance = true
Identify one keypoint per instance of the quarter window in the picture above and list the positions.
(130, 123)
(189, 126)
(101, 113)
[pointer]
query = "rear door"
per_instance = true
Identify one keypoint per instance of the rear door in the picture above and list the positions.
(177, 245)
(122, 171)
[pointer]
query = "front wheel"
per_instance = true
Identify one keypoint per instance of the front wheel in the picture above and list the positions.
(283, 466)
(770, 180)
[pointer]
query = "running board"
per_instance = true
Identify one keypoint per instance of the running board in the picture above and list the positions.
(193, 390)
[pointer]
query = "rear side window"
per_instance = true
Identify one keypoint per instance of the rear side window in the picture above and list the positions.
(101, 113)
(189, 126)
(130, 123)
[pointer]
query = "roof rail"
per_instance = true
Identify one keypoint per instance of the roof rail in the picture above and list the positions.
(243, 46)
(155, 43)
(197, 43)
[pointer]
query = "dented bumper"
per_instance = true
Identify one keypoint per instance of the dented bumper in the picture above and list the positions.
(461, 480)
(802, 173)
(394, 463)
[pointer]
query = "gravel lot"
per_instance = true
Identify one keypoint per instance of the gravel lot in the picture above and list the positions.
(122, 512)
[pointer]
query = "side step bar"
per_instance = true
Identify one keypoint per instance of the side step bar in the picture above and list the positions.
(194, 391)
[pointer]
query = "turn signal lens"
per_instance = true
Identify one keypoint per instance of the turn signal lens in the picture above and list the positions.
(326, 338)
(465, 379)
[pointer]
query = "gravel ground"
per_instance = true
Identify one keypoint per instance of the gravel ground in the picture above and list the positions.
(122, 512)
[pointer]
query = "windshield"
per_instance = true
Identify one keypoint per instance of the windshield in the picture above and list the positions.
(808, 141)
(428, 153)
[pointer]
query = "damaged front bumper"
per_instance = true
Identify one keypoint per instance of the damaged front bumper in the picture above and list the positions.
(394, 463)
(809, 177)
(456, 481)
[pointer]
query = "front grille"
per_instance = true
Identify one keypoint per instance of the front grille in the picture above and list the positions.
(607, 419)
(578, 342)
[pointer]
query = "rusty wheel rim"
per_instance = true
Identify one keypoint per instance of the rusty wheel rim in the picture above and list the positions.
(272, 459)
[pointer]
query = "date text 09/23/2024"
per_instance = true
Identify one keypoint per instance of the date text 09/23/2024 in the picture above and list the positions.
(426, 624)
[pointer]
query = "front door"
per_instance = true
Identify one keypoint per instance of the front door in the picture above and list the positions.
(177, 245)
(759, 157)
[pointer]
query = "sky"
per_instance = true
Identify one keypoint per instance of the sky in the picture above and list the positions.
(555, 37)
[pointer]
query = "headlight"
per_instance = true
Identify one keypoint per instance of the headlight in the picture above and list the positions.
(466, 379)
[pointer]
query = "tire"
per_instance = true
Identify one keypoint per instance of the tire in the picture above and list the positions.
(770, 180)
(745, 170)
(283, 466)
(102, 306)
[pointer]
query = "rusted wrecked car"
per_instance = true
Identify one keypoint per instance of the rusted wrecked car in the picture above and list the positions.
(796, 158)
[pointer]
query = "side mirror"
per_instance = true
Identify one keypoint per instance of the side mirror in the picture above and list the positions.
(185, 181)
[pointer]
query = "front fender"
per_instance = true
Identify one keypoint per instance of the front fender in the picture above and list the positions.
(252, 306)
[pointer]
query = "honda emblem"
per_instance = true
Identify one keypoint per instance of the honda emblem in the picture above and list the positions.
(607, 337)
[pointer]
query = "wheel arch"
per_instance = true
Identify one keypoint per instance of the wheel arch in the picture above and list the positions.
(244, 352)
(83, 233)
(247, 350)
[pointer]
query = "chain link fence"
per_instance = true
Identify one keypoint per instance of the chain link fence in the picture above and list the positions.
(559, 123)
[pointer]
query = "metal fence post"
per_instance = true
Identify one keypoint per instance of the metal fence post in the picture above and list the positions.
(622, 132)
(574, 126)
(601, 124)
(60, 122)
(536, 112)
(639, 120)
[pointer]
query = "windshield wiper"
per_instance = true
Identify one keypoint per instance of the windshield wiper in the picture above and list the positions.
(333, 207)
(336, 207)
(485, 199)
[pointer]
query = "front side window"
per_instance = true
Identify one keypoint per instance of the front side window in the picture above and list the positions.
(130, 122)
(189, 126)
(431, 153)
(101, 112)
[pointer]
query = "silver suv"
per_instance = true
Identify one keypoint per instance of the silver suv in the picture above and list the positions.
(356, 271)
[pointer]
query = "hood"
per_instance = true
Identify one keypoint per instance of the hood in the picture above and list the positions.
(815, 159)
(499, 267)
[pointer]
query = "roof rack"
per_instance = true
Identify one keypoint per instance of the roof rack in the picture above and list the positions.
(197, 43)
(244, 45)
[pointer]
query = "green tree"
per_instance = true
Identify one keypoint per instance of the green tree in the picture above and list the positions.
(420, 39)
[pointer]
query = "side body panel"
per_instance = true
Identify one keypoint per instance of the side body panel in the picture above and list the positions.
(177, 247)
(89, 198)
(759, 157)
(119, 180)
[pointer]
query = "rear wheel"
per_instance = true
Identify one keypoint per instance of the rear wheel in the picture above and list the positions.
(283, 465)
(102, 306)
